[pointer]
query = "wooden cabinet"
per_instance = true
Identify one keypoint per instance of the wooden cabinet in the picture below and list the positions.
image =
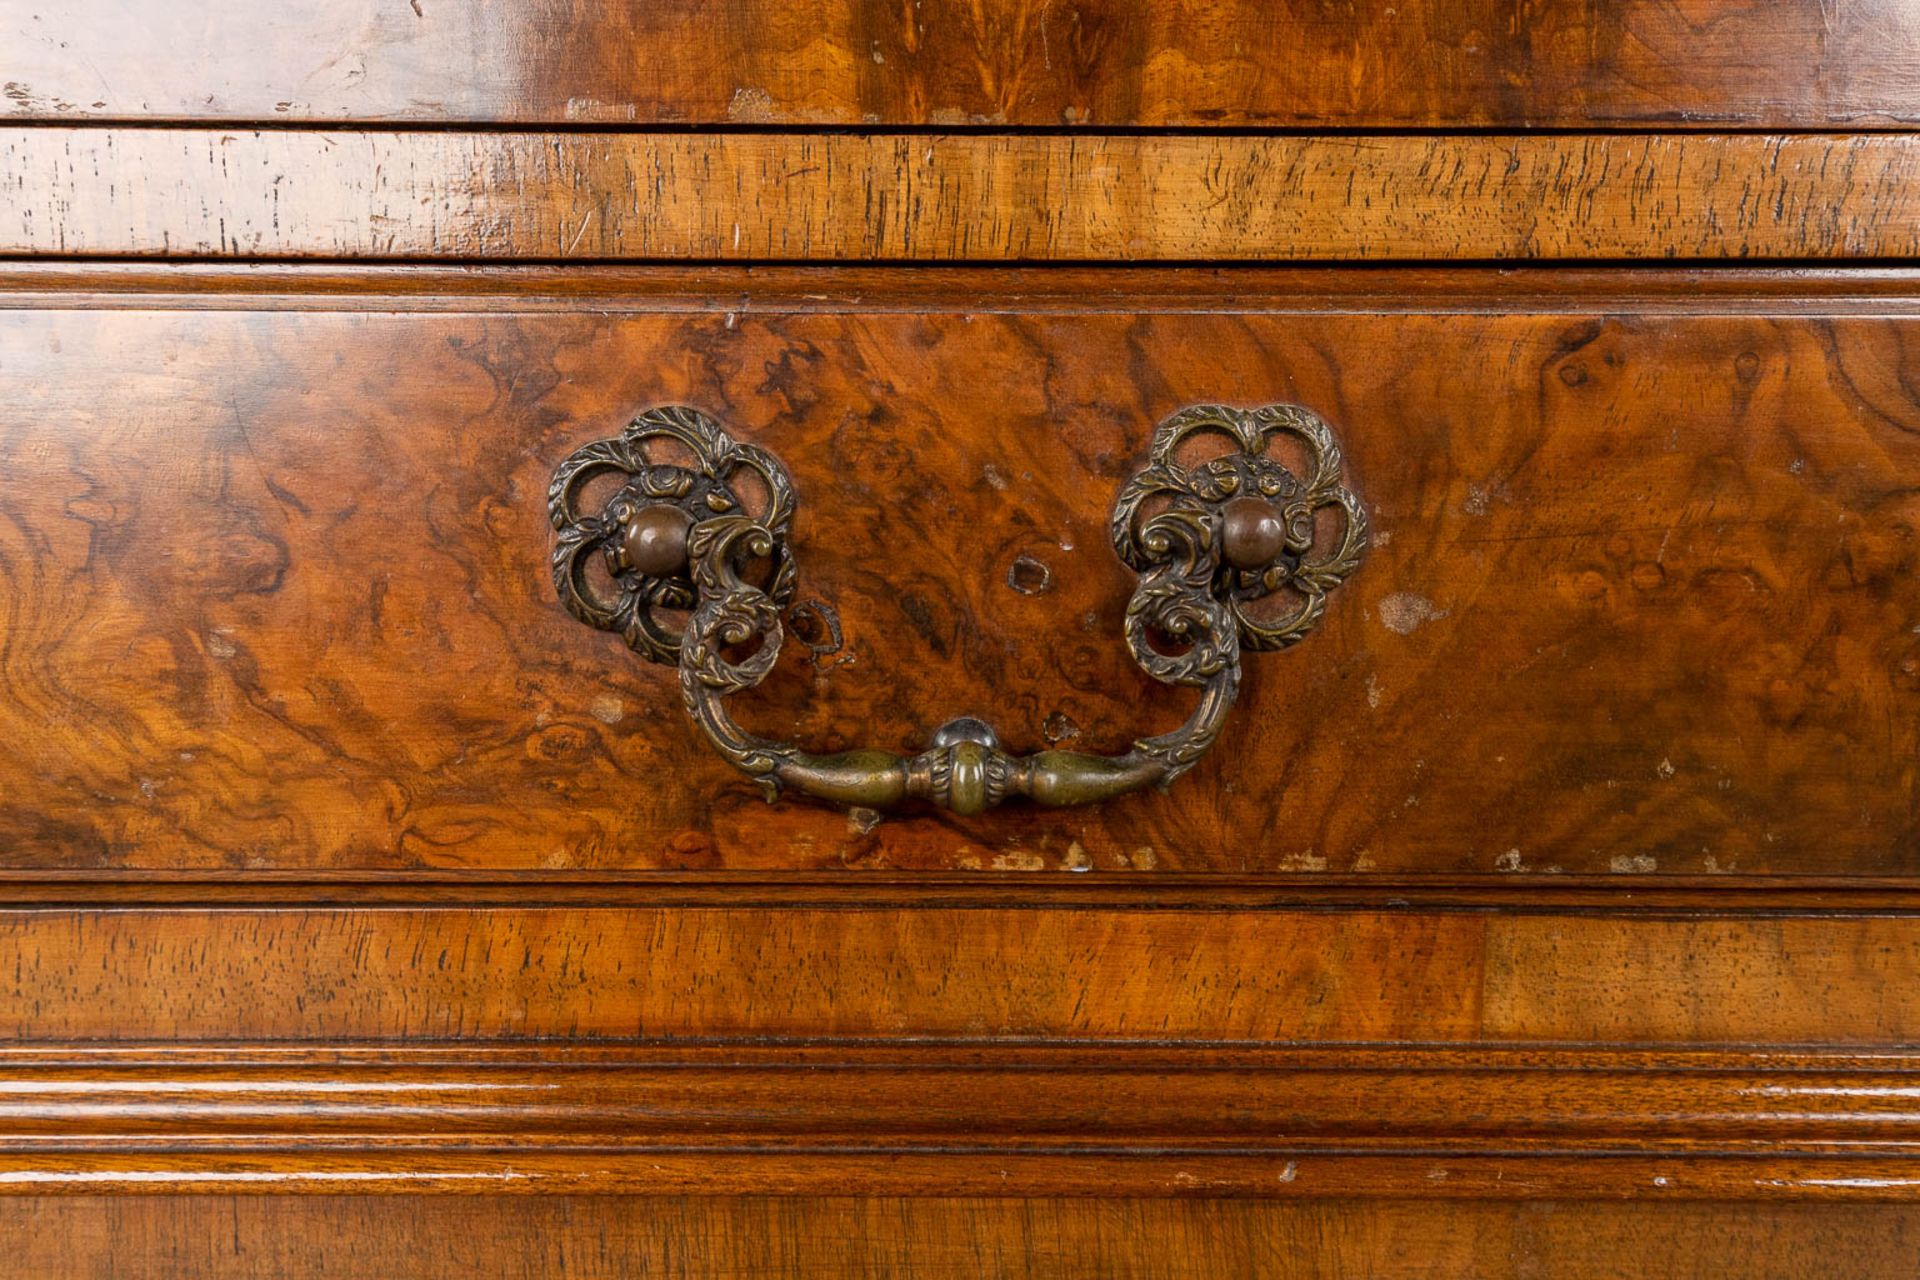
(388, 883)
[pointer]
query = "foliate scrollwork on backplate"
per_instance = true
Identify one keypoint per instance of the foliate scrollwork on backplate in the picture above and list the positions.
(734, 617)
(1197, 499)
(1212, 542)
(1214, 538)
(638, 601)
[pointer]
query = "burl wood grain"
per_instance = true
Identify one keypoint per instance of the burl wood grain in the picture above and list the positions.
(706, 1238)
(1779, 63)
(1641, 596)
(844, 197)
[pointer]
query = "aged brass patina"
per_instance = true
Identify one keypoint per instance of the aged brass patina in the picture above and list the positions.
(1252, 534)
(1210, 540)
(656, 540)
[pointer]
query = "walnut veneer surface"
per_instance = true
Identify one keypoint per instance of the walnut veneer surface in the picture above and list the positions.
(1641, 595)
(1552, 909)
(1303, 64)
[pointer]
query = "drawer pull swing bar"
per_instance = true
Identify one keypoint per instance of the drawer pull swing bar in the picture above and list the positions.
(1209, 539)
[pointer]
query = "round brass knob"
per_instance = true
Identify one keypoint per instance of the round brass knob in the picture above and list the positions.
(656, 540)
(1252, 534)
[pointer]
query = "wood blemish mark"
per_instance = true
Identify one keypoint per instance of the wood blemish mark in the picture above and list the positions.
(817, 625)
(750, 106)
(1058, 727)
(1403, 612)
(1028, 576)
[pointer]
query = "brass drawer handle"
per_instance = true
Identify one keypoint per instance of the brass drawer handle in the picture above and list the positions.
(1208, 539)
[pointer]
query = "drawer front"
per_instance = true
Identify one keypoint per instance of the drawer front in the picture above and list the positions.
(1568, 856)
(1639, 596)
(1101, 63)
(904, 744)
(511, 195)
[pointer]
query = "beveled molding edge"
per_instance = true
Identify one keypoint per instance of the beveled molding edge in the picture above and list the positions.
(1518, 893)
(964, 1118)
(1874, 289)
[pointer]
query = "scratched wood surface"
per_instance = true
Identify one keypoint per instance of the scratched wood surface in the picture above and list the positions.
(838, 197)
(1641, 596)
(1105, 63)
(708, 1238)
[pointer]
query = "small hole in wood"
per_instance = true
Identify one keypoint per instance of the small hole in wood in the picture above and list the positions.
(1028, 576)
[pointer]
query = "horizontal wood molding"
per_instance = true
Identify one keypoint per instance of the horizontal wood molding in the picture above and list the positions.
(843, 197)
(1187, 976)
(1521, 893)
(967, 289)
(1785, 63)
(933, 1119)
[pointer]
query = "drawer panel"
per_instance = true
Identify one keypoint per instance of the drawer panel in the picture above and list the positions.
(757, 197)
(858, 970)
(1206, 63)
(275, 588)
(144, 1237)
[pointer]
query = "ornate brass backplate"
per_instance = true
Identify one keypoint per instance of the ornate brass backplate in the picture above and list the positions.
(1210, 540)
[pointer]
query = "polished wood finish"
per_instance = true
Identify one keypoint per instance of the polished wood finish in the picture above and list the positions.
(756, 196)
(1715, 895)
(1193, 975)
(963, 1118)
(711, 1238)
(1800, 64)
(1640, 598)
(1554, 909)
(1815, 291)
